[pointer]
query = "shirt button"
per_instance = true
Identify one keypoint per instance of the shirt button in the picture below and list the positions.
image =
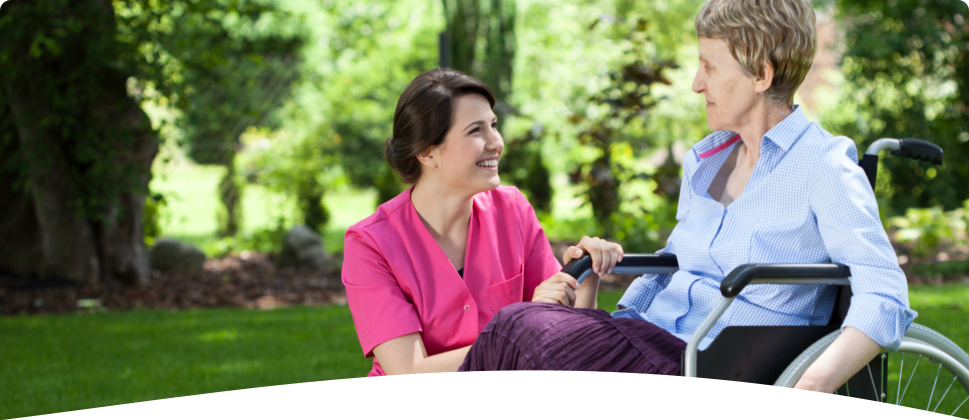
(467, 307)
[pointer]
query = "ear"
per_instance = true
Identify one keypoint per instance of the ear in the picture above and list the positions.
(427, 158)
(764, 82)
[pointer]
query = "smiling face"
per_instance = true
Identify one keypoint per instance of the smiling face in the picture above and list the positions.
(729, 92)
(468, 158)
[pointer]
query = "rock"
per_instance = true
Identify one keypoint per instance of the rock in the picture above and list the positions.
(167, 254)
(302, 247)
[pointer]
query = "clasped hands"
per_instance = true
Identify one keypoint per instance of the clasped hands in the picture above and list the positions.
(561, 287)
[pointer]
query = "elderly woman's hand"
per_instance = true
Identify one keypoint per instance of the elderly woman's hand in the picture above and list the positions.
(605, 255)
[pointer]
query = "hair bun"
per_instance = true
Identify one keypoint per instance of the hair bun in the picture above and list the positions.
(389, 152)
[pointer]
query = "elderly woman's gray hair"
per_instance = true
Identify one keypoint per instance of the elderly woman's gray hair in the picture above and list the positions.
(780, 32)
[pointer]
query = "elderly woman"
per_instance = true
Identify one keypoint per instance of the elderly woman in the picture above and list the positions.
(766, 187)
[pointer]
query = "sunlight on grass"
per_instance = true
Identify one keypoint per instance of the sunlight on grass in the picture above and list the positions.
(191, 216)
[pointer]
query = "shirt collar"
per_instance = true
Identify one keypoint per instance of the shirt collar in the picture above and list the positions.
(784, 134)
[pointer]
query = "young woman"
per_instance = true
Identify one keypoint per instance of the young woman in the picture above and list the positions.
(428, 270)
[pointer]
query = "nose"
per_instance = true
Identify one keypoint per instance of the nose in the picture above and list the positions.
(699, 84)
(494, 141)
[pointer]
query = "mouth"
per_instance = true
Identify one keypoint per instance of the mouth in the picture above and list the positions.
(491, 163)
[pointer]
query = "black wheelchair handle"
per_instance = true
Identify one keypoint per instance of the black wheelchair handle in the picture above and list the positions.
(919, 149)
(576, 268)
(741, 276)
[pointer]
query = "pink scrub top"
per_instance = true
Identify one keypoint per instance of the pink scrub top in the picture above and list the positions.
(399, 281)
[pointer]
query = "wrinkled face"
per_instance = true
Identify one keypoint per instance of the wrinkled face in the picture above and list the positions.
(729, 92)
(468, 157)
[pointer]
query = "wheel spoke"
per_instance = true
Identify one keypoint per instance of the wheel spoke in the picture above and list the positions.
(909, 381)
(898, 391)
(934, 383)
(960, 406)
(945, 393)
(873, 387)
(884, 379)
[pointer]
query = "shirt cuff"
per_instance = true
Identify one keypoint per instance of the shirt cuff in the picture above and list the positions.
(628, 313)
(882, 319)
(641, 292)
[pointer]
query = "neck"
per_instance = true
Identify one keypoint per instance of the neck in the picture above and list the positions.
(763, 117)
(445, 213)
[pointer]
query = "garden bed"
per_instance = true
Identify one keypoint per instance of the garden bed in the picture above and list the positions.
(252, 280)
(249, 280)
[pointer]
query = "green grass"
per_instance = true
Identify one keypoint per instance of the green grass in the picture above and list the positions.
(944, 308)
(70, 362)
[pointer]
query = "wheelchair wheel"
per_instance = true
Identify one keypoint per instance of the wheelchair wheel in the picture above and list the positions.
(928, 372)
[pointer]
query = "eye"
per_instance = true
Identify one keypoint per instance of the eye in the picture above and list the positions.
(494, 125)
(474, 130)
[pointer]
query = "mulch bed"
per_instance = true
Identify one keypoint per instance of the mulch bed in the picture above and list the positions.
(249, 280)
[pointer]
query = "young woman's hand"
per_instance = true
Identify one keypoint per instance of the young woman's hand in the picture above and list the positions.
(560, 288)
(604, 254)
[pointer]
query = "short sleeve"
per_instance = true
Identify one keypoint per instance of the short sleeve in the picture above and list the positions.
(540, 262)
(381, 311)
(847, 216)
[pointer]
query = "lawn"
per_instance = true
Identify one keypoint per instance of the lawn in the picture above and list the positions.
(69, 362)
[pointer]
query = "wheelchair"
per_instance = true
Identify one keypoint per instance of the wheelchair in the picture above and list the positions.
(779, 355)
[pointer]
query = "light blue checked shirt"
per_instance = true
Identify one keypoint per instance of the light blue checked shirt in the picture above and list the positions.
(807, 201)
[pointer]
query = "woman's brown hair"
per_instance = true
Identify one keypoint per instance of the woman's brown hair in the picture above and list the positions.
(424, 116)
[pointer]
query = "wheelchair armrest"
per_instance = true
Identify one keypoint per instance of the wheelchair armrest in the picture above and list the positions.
(630, 264)
(746, 274)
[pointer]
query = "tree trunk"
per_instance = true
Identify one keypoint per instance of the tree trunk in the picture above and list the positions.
(84, 147)
(498, 66)
(18, 224)
(462, 18)
(230, 195)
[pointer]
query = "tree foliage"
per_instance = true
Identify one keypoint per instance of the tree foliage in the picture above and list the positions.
(225, 65)
(612, 124)
(907, 75)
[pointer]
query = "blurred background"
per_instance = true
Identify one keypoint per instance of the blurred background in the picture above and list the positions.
(163, 155)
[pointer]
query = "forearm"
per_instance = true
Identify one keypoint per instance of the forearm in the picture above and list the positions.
(848, 354)
(588, 291)
(406, 354)
(444, 362)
